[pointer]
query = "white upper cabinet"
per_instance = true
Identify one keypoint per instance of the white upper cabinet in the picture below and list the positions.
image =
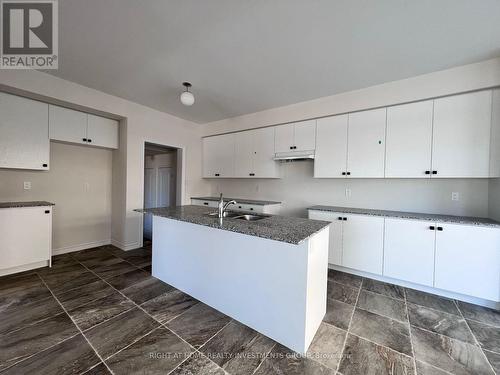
(366, 144)
(24, 133)
(299, 136)
(102, 131)
(468, 260)
(264, 166)
(461, 137)
(331, 147)
(67, 125)
(495, 135)
(218, 156)
(409, 250)
(244, 154)
(409, 140)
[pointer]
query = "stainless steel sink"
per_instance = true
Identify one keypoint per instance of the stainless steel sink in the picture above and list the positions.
(228, 214)
(250, 217)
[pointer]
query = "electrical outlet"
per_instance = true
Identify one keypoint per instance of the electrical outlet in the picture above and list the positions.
(455, 196)
(27, 185)
(348, 193)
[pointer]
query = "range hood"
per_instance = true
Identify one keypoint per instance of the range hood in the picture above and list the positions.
(294, 155)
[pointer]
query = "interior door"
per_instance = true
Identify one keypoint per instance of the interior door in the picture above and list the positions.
(331, 147)
(284, 138)
(165, 191)
(149, 199)
(366, 144)
(305, 135)
(461, 137)
(409, 140)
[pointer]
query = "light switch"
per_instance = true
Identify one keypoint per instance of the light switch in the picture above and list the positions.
(348, 193)
(455, 196)
(27, 185)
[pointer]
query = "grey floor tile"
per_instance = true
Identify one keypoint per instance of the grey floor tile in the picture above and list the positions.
(157, 353)
(55, 276)
(440, 322)
(18, 316)
(426, 369)
(451, 355)
(386, 289)
(100, 369)
(97, 311)
(198, 324)
(13, 284)
(488, 336)
(138, 257)
(198, 364)
(94, 253)
(494, 359)
(122, 330)
(327, 345)
(127, 279)
(282, 360)
(115, 268)
(167, 306)
(338, 313)
(238, 349)
(382, 305)
(148, 269)
(480, 313)
(382, 330)
(104, 260)
(345, 278)
(366, 358)
(147, 289)
(432, 301)
(72, 356)
(29, 340)
(59, 287)
(84, 294)
(21, 295)
(342, 293)
(63, 260)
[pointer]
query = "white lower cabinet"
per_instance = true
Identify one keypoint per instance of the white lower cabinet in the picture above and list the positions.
(335, 240)
(409, 251)
(25, 236)
(468, 260)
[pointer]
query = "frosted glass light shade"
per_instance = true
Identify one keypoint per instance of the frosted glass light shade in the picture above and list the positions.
(187, 98)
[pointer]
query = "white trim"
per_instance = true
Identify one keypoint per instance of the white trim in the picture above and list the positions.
(82, 246)
(423, 288)
(24, 267)
(124, 246)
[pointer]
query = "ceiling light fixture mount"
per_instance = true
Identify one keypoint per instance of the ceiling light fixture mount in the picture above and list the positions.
(187, 98)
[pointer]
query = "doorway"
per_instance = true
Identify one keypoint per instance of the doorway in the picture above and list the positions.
(160, 181)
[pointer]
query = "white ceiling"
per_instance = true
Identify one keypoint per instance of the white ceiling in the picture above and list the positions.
(249, 55)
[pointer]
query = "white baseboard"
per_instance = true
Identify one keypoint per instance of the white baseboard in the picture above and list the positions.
(125, 247)
(83, 246)
(24, 267)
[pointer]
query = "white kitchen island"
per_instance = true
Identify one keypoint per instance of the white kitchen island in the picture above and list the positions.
(270, 274)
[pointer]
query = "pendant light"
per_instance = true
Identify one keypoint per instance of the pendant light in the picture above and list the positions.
(187, 98)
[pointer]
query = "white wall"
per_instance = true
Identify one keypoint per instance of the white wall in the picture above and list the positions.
(139, 124)
(79, 183)
(298, 189)
(494, 199)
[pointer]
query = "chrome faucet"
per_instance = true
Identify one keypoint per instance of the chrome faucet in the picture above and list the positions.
(222, 207)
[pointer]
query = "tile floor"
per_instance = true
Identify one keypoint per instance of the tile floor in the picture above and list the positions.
(99, 312)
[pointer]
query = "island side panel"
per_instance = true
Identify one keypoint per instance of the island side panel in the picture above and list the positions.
(317, 276)
(259, 282)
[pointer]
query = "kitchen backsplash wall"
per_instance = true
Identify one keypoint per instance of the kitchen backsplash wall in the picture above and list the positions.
(298, 190)
(494, 198)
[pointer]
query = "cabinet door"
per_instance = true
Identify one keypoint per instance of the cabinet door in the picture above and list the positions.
(409, 251)
(409, 140)
(284, 138)
(264, 166)
(25, 235)
(363, 243)
(461, 136)
(218, 156)
(305, 135)
(244, 154)
(24, 133)
(366, 143)
(331, 147)
(102, 131)
(67, 125)
(335, 240)
(468, 260)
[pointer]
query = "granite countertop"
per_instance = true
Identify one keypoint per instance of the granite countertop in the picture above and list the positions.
(25, 204)
(480, 221)
(239, 200)
(292, 230)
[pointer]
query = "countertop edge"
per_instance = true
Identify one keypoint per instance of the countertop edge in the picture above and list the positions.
(256, 202)
(26, 204)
